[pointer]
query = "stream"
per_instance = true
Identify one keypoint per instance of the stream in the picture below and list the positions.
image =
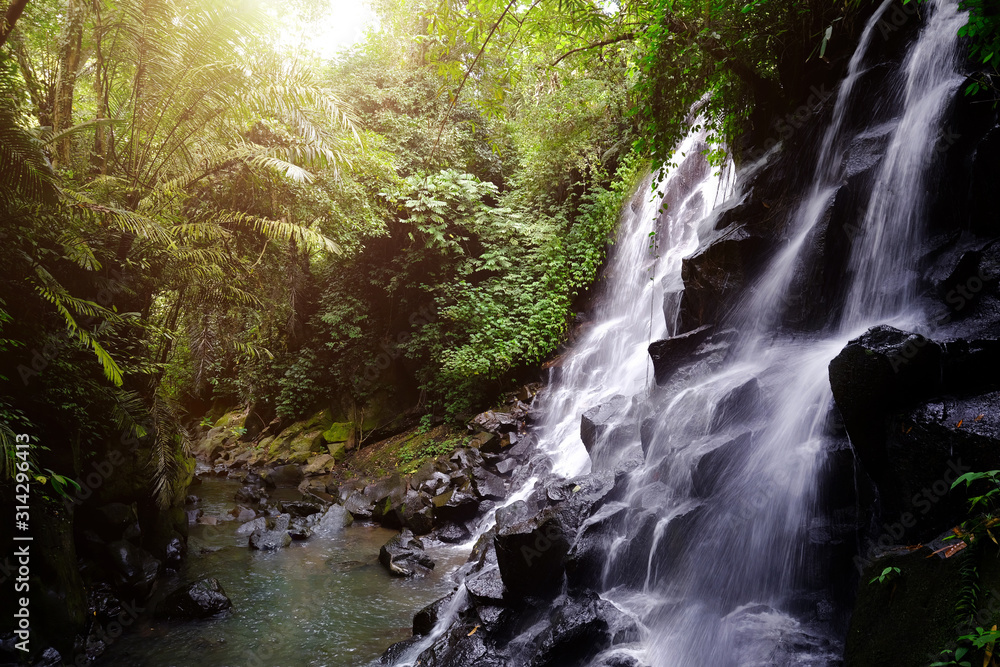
(323, 602)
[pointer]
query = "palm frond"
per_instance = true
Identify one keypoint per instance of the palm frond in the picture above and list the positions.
(25, 172)
(49, 289)
(280, 230)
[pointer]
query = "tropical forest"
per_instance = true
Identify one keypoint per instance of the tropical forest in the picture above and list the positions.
(499, 333)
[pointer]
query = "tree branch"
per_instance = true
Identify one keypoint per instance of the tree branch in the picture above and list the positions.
(596, 45)
(458, 92)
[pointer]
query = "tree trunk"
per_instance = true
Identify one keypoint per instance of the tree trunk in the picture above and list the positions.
(70, 44)
(40, 94)
(10, 17)
(99, 158)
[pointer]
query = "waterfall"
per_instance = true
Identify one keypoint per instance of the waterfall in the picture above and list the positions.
(883, 281)
(713, 539)
(714, 553)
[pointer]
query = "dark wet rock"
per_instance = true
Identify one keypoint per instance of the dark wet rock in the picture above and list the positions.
(587, 558)
(299, 530)
(617, 660)
(928, 446)
(134, 568)
(110, 522)
(192, 500)
(531, 551)
(466, 458)
(299, 508)
(251, 494)
(737, 404)
(453, 533)
(425, 619)
(604, 429)
(174, 552)
(487, 485)
(486, 441)
(581, 628)
(434, 484)
(496, 422)
(881, 370)
(719, 271)
(414, 513)
(486, 587)
(283, 475)
(202, 599)
(668, 354)
(385, 493)
(403, 555)
(506, 466)
(712, 466)
(393, 654)
(455, 505)
(359, 506)
(253, 478)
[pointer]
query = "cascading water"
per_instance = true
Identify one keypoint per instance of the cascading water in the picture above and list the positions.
(610, 359)
(713, 553)
(709, 544)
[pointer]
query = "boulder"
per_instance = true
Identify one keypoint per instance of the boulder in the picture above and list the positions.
(425, 619)
(284, 475)
(487, 485)
(251, 495)
(415, 513)
(668, 354)
(359, 506)
(318, 464)
(403, 555)
(274, 537)
(455, 505)
(495, 422)
(486, 587)
(202, 599)
(453, 533)
(736, 404)
(242, 514)
(333, 521)
(881, 370)
(716, 461)
(580, 628)
(531, 551)
(134, 569)
(248, 528)
(604, 422)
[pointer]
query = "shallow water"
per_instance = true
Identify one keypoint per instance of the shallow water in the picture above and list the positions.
(324, 602)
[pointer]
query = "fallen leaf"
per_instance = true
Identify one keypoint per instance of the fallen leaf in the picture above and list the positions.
(959, 424)
(473, 631)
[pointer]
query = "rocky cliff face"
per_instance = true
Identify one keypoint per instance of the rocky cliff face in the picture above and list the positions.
(914, 410)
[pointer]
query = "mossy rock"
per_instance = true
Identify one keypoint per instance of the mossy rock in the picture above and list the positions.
(278, 447)
(185, 474)
(58, 597)
(311, 442)
(231, 420)
(909, 618)
(338, 450)
(213, 444)
(339, 432)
